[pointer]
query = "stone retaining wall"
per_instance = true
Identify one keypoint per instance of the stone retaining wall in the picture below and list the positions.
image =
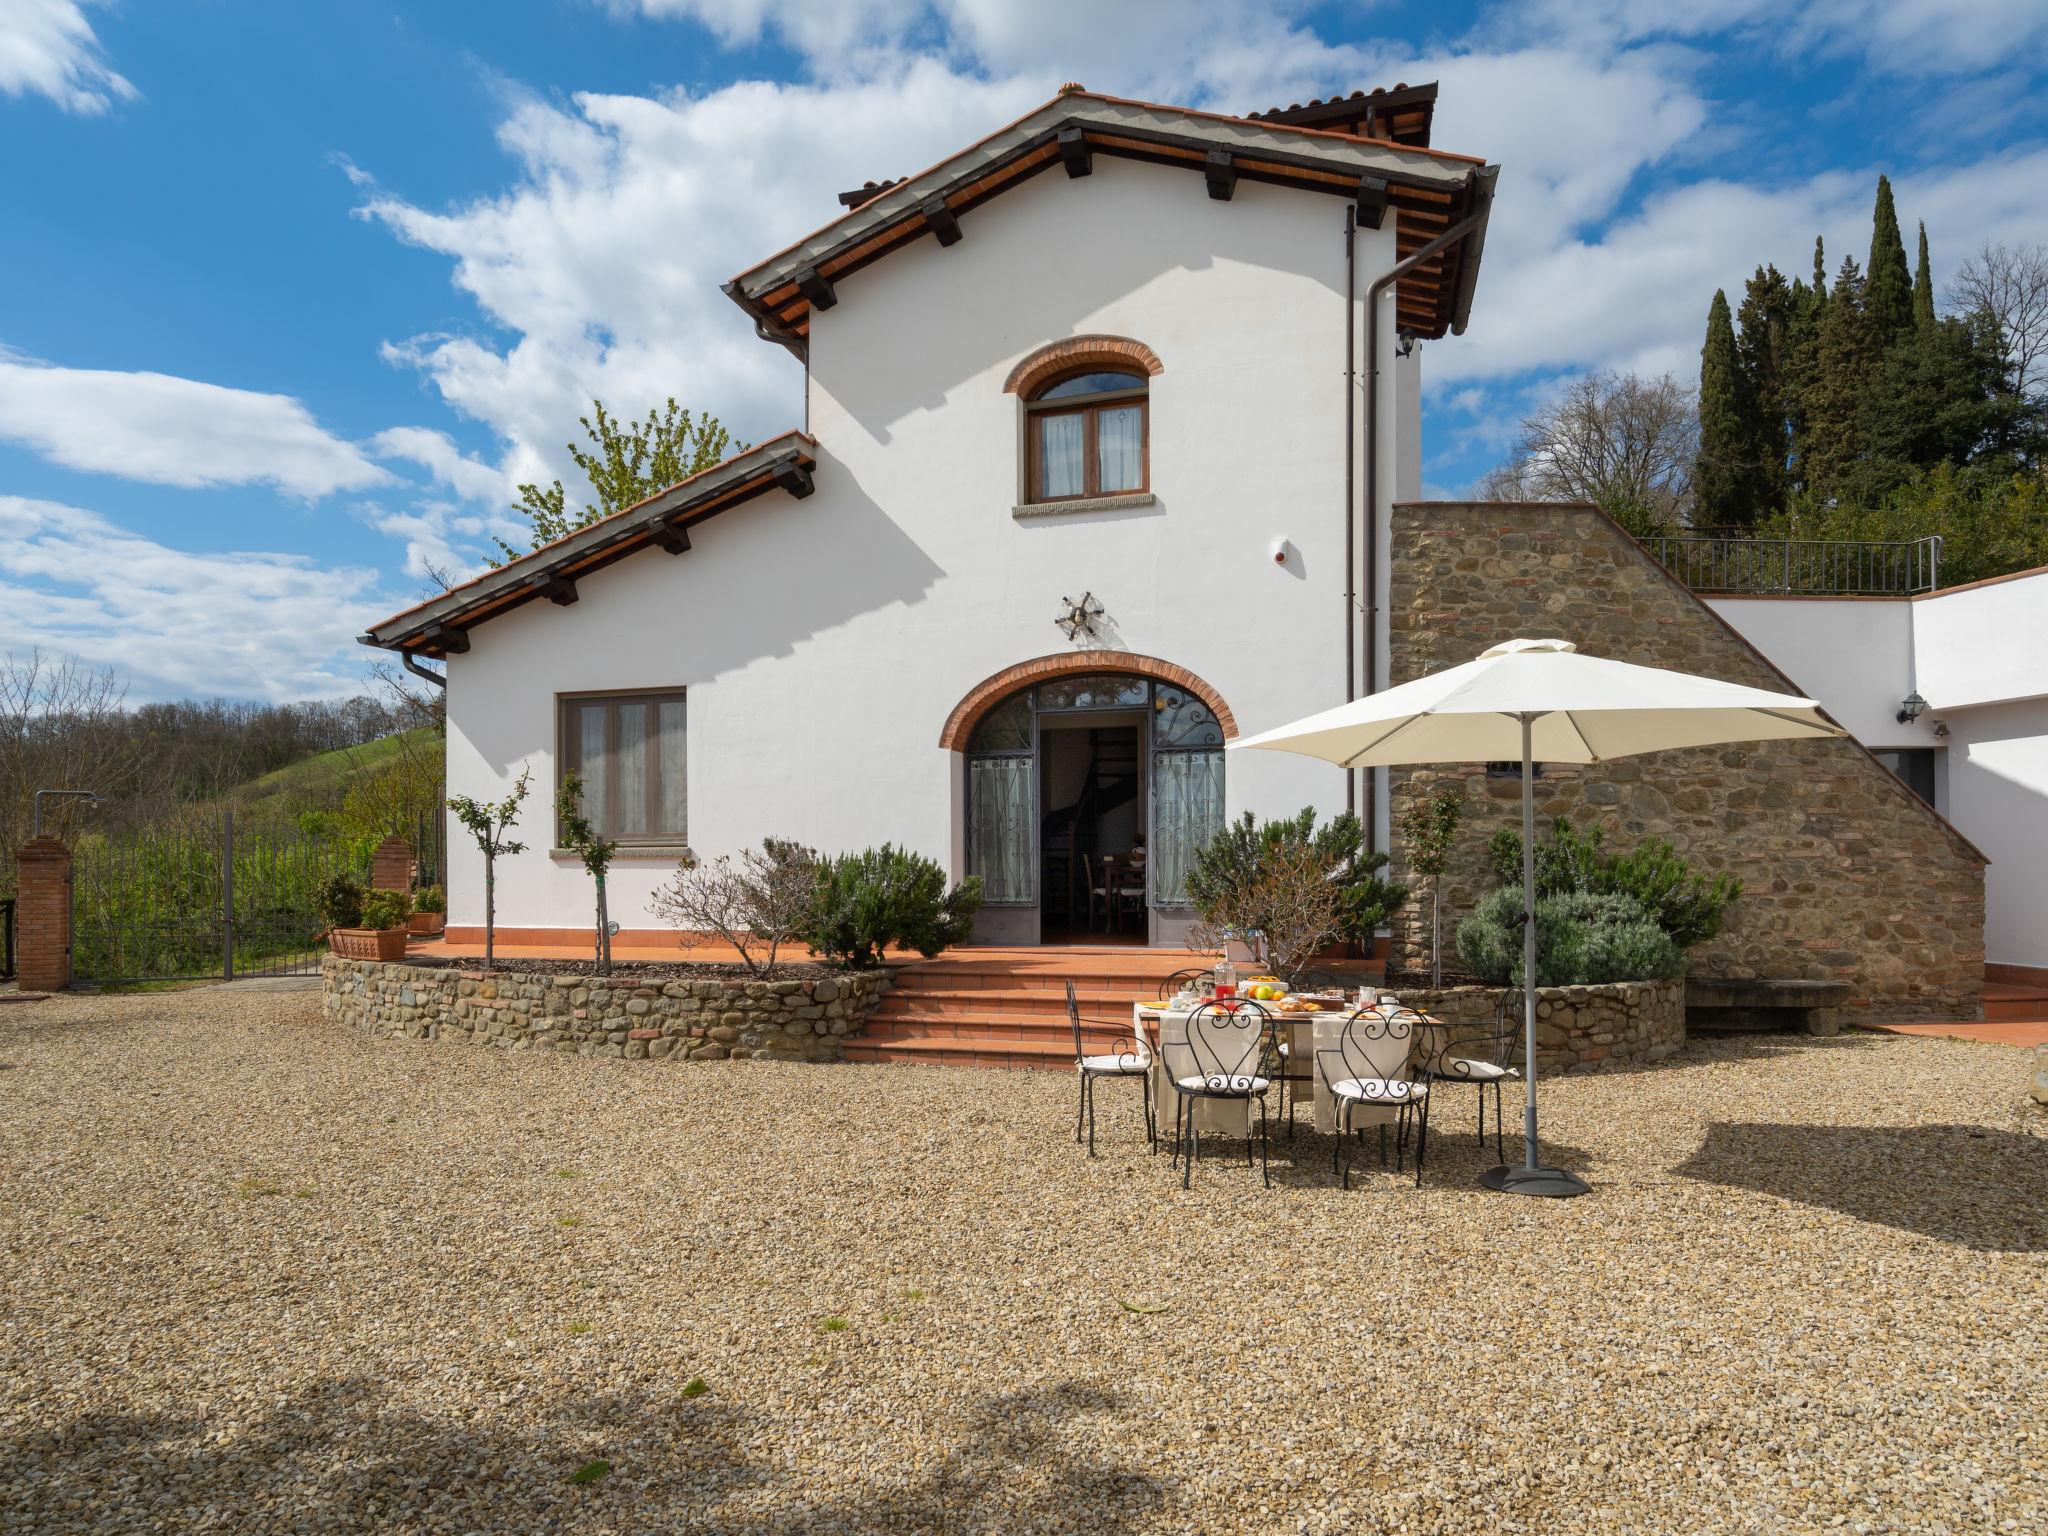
(627, 1016)
(1578, 1029)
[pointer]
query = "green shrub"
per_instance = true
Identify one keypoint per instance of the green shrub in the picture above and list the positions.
(432, 899)
(341, 901)
(1687, 906)
(888, 895)
(386, 909)
(1239, 859)
(1582, 939)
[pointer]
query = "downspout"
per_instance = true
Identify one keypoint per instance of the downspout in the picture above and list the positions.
(1350, 484)
(1379, 285)
(438, 679)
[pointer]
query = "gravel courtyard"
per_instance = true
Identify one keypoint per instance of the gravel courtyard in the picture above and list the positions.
(261, 1275)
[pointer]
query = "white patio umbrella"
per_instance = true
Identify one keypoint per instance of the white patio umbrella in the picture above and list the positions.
(1542, 700)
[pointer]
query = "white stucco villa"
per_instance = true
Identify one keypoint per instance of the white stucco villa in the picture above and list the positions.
(1107, 417)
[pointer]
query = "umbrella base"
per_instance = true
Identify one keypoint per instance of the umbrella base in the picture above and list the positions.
(1550, 1183)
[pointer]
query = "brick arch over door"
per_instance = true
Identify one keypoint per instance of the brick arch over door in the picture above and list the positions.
(991, 691)
(1077, 352)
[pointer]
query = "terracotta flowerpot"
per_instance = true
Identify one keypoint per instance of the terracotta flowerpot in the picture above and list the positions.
(368, 943)
(428, 922)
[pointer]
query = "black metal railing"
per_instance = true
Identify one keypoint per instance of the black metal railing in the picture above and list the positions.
(1718, 563)
(6, 938)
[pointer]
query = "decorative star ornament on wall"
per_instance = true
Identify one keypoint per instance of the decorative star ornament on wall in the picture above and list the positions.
(1078, 618)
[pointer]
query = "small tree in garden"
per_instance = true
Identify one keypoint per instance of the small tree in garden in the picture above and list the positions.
(581, 839)
(1291, 903)
(1428, 829)
(1228, 872)
(488, 824)
(888, 895)
(765, 896)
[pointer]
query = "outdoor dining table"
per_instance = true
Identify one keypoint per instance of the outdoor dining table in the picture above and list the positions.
(1166, 1029)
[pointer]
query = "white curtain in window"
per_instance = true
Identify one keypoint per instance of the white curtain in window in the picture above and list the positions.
(1059, 455)
(999, 790)
(632, 807)
(593, 763)
(1119, 448)
(1187, 811)
(669, 752)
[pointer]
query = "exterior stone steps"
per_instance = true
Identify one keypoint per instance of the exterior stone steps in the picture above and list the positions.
(2012, 1002)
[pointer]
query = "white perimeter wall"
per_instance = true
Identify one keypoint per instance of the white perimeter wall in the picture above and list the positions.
(823, 642)
(1979, 656)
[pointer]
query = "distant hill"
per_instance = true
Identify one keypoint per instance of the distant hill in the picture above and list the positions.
(322, 782)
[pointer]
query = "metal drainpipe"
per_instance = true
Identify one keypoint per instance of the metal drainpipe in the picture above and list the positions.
(1400, 269)
(1350, 484)
(438, 679)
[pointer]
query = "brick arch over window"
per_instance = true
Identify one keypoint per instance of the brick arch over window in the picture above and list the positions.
(991, 691)
(1076, 352)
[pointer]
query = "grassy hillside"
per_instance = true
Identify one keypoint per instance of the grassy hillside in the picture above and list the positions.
(323, 782)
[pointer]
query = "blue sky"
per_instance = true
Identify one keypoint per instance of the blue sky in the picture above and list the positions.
(292, 296)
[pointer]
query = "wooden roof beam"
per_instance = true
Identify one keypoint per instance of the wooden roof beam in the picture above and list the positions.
(1075, 154)
(673, 538)
(939, 219)
(1372, 201)
(1219, 169)
(794, 478)
(450, 642)
(554, 586)
(817, 291)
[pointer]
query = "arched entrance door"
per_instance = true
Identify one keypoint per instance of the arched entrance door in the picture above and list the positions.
(1087, 793)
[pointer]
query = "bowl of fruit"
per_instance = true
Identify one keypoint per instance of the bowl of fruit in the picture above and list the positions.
(1264, 989)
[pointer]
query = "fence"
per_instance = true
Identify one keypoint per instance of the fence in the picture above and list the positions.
(6, 938)
(186, 907)
(1801, 567)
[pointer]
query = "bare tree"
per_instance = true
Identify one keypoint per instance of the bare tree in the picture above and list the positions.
(2010, 283)
(766, 897)
(61, 727)
(1621, 441)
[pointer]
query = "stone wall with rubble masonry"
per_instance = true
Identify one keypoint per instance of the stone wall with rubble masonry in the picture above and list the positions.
(1578, 1029)
(637, 1018)
(1846, 874)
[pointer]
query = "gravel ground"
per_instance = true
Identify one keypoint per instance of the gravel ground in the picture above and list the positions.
(261, 1275)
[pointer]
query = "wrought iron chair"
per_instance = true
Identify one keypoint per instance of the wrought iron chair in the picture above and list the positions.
(1128, 1056)
(1369, 1069)
(1223, 1058)
(1189, 975)
(1484, 1061)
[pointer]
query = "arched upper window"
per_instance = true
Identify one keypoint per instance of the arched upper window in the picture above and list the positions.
(1086, 434)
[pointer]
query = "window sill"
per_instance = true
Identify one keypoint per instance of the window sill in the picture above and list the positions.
(633, 851)
(1122, 503)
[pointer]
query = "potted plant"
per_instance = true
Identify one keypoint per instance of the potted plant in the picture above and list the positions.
(430, 911)
(379, 929)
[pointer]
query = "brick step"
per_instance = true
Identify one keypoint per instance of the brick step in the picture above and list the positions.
(943, 1026)
(1009, 1002)
(953, 1052)
(2006, 1009)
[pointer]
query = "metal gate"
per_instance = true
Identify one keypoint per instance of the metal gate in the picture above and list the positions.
(202, 904)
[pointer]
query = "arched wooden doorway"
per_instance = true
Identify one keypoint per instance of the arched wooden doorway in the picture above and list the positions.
(1090, 780)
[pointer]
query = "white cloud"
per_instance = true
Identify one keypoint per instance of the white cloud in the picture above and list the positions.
(1896, 37)
(605, 257)
(471, 479)
(48, 48)
(178, 623)
(171, 431)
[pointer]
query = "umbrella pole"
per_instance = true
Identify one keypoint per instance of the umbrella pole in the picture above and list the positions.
(1532, 1178)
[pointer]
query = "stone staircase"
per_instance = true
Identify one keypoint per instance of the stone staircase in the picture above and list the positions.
(1007, 1007)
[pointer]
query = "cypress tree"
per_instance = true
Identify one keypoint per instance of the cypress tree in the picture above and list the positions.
(1887, 287)
(1923, 286)
(1802, 352)
(1723, 485)
(1762, 344)
(1845, 356)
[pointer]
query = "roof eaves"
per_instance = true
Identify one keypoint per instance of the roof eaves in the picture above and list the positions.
(903, 201)
(595, 543)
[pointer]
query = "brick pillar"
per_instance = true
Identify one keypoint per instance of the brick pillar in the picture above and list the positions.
(391, 865)
(42, 916)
